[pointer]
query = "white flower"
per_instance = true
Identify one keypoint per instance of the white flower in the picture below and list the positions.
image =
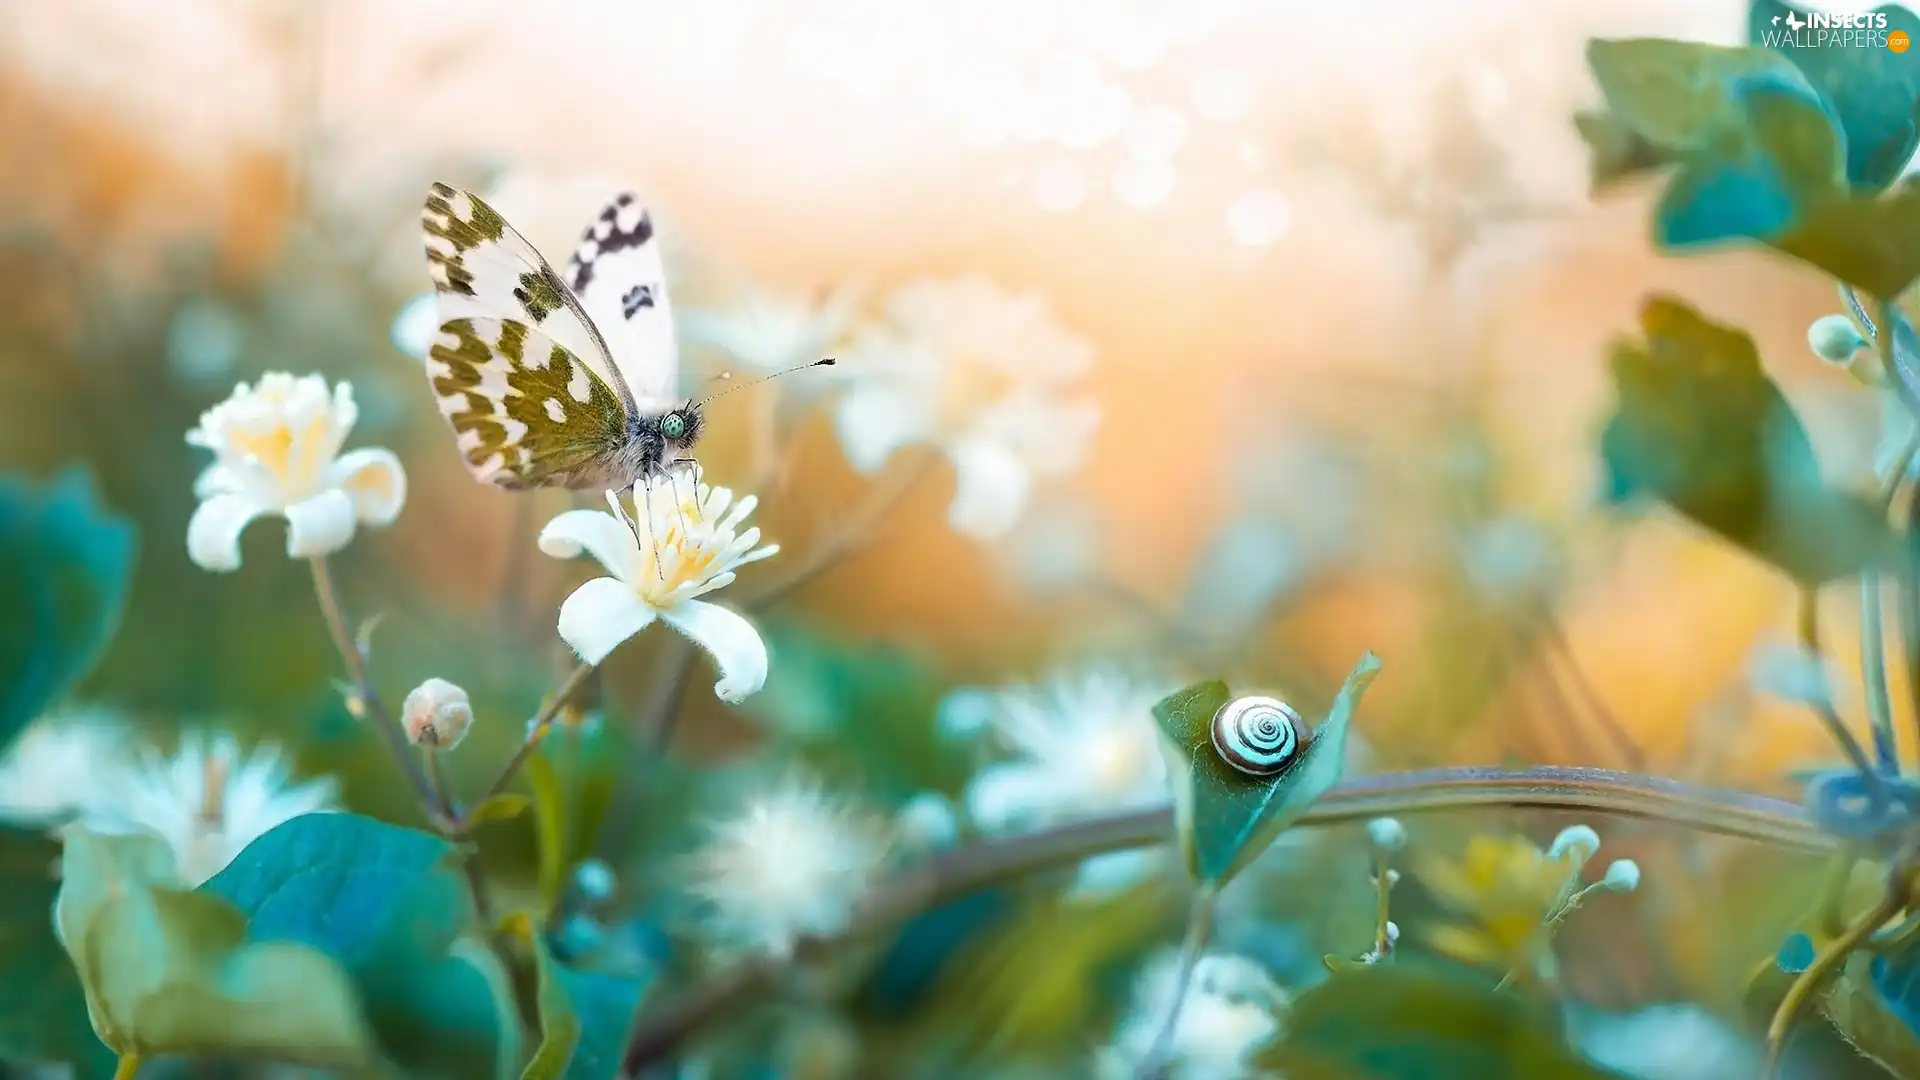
(771, 333)
(794, 863)
(276, 450)
(1665, 1042)
(1623, 875)
(689, 545)
(56, 767)
(1232, 1009)
(1084, 743)
(436, 715)
(208, 801)
(976, 371)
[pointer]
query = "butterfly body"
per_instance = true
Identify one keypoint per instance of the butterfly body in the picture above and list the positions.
(554, 379)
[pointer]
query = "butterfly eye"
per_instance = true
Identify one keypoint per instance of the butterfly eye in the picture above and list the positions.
(673, 426)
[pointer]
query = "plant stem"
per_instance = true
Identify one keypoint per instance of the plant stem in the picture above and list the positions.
(1829, 958)
(536, 731)
(1382, 906)
(968, 869)
(366, 702)
(128, 1065)
(1199, 926)
(1809, 625)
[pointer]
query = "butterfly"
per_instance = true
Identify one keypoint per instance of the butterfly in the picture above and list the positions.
(553, 379)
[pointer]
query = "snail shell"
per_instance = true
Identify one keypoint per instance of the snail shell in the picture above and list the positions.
(1259, 736)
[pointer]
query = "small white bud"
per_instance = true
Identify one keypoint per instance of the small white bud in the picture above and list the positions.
(1393, 932)
(1580, 840)
(1387, 834)
(1623, 875)
(436, 715)
(595, 879)
(1834, 339)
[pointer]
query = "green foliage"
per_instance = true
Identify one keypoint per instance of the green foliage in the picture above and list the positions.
(168, 971)
(1787, 149)
(1700, 427)
(1401, 1023)
(43, 1011)
(388, 904)
(1862, 1016)
(584, 1016)
(65, 565)
(1875, 93)
(1226, 817)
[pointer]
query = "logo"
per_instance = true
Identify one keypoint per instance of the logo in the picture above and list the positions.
(1818, 30)
(1898, 41)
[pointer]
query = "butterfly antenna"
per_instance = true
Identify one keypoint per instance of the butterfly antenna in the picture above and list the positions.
(823, 362)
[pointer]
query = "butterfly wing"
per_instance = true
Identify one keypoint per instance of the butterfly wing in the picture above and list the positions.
(527, 411)
(483, 269)
(621, 281)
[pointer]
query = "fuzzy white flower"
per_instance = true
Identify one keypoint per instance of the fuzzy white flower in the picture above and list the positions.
(794, 862)
(1083, 743)
(687, 543)
(208, 801)
(276, 448)
(56, 768)
(1232, 1008)
(978, 372)
(771, 333)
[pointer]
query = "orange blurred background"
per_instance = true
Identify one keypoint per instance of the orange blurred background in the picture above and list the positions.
(1420, 235)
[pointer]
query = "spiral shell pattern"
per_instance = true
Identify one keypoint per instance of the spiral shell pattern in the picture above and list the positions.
(1259, 736)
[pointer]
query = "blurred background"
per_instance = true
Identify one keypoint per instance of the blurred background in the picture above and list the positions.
(1346, 296)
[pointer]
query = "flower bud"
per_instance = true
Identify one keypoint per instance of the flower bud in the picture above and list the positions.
(1579, 840)
(1387, 834)
(1834, 339)
(436, 715)
(1623, 875)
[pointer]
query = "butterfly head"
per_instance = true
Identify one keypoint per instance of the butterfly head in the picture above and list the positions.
(680, 427)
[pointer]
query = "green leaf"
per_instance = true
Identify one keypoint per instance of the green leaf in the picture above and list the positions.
(1616, 151)
(168, 971)
(65, 564)
(550, 828)
(1677, 97)
(1875, 92)
(1700, 427)
(1871, 243)
(584, 1016)
(502, 807)
(1226, 817)
(388, 903)
(1401, 1023)
(1861, 1015)
(43, 1011)
(1776, 160)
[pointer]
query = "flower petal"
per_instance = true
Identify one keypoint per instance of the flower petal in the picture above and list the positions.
(600, 615)
(320, 525)
(373, 479)
(597, 533)
(213, 534)
(733, 642)
(991, 485)
(873, 422)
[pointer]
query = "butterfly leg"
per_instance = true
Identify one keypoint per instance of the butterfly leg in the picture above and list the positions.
(653, 542)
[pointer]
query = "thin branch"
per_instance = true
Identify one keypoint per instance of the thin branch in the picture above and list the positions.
(1825, 964)
(856, 530)
(1809, 623)
(537, 730)
(367, 702)
(656, 1033)
(1199, 927)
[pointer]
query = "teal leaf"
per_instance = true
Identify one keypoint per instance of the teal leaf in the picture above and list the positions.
(1401, 1023)
(584, 1016)
(388, 903)
(1772, 164)
(1874, 91)
(1872, 1023)
(65, 566)
(1699, 427)
(168, 971)
(43, 1011)
(1227, 817)
(1677, 97)
(1872, 243)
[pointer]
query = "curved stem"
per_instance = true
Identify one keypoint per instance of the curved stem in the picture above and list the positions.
(1751, 817)
(1199, 926)
(365, 701)
(536, 731)
(128, 1065)
(1809, 625)
(1825, 962)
